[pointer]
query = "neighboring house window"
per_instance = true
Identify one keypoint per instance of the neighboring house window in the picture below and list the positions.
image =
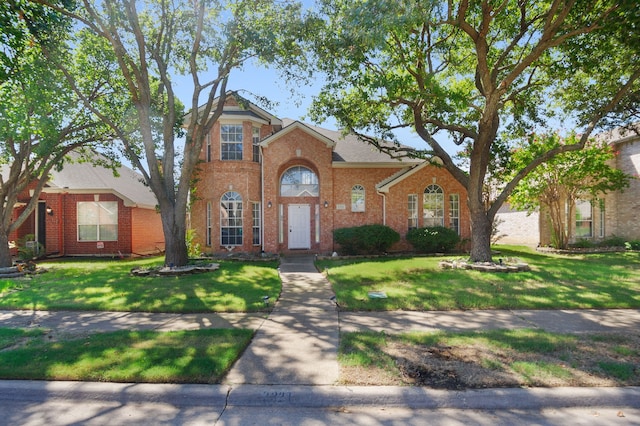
(209, 229)
(231, 219)
(257, 228)
(256, 144)
(98, 221)
(413, 211)
(357, 198)
(433, 206)
(231, 142)
(454, 212)
(299, 182)
(208, 148)
(584, 219)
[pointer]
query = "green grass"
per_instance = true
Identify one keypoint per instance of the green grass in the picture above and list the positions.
(531, 357)
(201, 356)
(107, 285)
(610, 280)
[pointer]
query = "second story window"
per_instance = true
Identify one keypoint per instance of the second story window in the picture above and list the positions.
(256, 144)
(231, 142)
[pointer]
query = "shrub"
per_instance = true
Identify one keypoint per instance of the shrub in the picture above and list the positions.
(583, 243)
(632, 245)
(366, 239)
(612, 241)
(433, 239)
(29, 248)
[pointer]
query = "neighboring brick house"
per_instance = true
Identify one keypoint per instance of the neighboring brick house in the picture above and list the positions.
(612, 214)
(277, 186)
(85, 210)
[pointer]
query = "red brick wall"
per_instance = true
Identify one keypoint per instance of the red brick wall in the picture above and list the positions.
(298, 148)
(146, 231)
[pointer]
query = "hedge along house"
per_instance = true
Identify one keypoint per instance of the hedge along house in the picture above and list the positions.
(84, 210)
(280, 186)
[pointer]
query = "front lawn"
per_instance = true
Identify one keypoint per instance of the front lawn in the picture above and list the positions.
(197, 356)
(610, 280)
(106, 285)
(490, 359)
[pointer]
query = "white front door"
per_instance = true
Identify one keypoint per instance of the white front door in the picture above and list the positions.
(299, 226)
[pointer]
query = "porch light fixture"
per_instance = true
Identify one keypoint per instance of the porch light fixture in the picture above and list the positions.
(269, 204)
(326, 204)
(49, 211)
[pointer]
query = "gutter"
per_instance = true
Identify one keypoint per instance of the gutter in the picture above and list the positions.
(384, 206)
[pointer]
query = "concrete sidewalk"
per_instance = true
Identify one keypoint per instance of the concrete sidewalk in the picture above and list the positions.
(292, 360)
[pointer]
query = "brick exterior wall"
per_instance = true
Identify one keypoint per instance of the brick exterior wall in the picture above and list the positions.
(331, 209)
(139, 230)
(146, 232)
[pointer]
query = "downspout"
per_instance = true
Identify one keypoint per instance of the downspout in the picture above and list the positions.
(262, 202)
(384, 207)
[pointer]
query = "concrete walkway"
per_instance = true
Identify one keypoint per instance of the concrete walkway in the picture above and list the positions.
(298, 343)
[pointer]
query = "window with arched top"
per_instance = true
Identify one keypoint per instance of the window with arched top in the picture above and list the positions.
(357, 198)
(433, 206)
(299, 181)
(231, 219)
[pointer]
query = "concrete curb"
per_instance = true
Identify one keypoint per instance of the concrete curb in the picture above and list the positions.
(221, 396)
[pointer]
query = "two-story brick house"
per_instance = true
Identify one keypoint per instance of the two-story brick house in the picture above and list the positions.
(273, 185)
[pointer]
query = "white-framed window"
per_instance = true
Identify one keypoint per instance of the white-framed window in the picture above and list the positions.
(454, 212)
(357, 198)
(412, 206)
(433, 206)
(256, 144)
(584, 219)
(207, 147)
(97, 220)
(209, 225)
(257, 223)
(231, 142)
(231, 219)
(299, 181)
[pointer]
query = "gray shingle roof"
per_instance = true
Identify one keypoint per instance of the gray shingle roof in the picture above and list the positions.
(85, 177)
(350, 149)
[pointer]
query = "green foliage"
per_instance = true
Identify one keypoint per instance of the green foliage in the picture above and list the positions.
(29, 248)
(433, 239)
(612, 241)
(583, 243)
(481, 74)
(193, 248)
(632, 245)
(365, 239)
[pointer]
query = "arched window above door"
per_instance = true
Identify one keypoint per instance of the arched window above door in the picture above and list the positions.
(299, 181)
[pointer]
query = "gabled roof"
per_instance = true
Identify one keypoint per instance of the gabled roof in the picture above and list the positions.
(291, 126)
(386, 184)
(86, 178)
(245, 109)
(348, 149)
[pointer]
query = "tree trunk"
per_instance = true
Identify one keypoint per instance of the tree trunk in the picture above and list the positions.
(175, 238)
(481, 227)
(5, 253)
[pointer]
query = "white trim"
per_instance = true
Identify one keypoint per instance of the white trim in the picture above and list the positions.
(125, 200)
(298, 125)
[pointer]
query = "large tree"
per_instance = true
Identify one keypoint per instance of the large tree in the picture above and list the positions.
(479, 73)
(154, 42)
(558, 183)
(40, 119)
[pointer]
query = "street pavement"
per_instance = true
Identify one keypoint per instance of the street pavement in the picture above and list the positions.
(288, 373)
